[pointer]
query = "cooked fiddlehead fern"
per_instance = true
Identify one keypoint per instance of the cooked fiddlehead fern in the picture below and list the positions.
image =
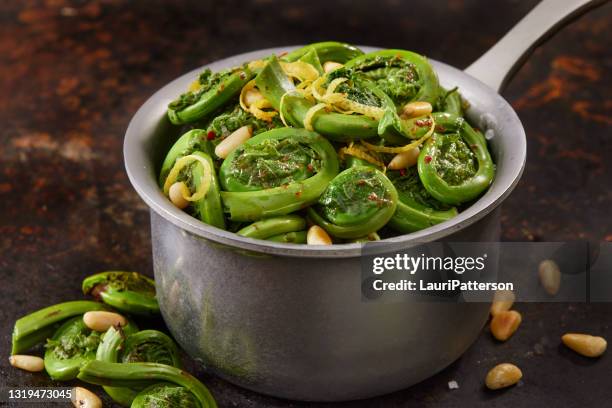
(129, 292)
(210, 92)
(358, 202)
(143, 375)
(276, 173)
(197, 173)
(403, 75)
(454, 164)
(272, 227)
(416, 208)
(277, 87)
(38, 326)
(72, 345)
(165, 395)
(146, 346)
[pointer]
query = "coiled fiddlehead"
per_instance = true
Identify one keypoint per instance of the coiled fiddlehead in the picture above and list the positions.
(403, 75)
(165, 395)
(358, 202)
(275, 173)
(129, 292)
(416, 208)
(72, 345)
(144, 375)
(454, 164)
(149, 346)
(210, 92)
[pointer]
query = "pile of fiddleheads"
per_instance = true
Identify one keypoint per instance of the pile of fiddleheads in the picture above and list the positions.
(356, 144)
(91, 341)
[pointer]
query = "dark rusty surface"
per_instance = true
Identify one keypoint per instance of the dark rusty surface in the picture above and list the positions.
(73, 73)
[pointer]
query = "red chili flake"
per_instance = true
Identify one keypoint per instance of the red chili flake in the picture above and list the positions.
(372, 196)
(422, 122)
(440, 129)
(361, 182)
(428, 159)
(211, 135)
(298, 193)
(402, 172)
(309, 167)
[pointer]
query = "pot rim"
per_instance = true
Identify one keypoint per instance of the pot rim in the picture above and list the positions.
(141, 170)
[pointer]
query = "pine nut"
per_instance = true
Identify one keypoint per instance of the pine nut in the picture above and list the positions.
(329, 66)
(83, 398)
(33, 364)
(317, 236)
(404, 160)
(101, 321)
(585, 344)
(502, 301)
(502, 376)
(416, 109)
(550, 276)
(251, 96)
(230, 143)
(504, 324)
(177, 193)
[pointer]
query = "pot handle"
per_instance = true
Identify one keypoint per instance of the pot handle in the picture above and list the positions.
(497, 66)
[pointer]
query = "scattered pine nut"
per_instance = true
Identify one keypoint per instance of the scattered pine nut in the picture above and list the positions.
(504, 324)
(83, 398)
(33, 364)
(502, 301)
(102, 321)
(317, 236)
(585, 344)
(404, 160)
(177, 193)
(502, 376)
(230, 143)
(416, 109)
(329, 66)
(550, 276)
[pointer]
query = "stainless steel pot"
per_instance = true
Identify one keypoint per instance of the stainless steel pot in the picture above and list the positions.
(288, 320)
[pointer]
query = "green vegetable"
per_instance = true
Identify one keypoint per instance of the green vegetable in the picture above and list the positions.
(165, 395)
(193, 140)
(294, 237)
(416, 208)
(129, 292)
(276, 173)
(403, 75)
(450, 102)
(454, 165)
(72, 345)
(274, 85)
(36, 327)
(149, 346)
(270, 227)
(143, 375)
(214, 92)
(209, 208)
(359, 201)
(326, 51)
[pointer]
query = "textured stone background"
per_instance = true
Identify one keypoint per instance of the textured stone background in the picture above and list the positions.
(72, 73)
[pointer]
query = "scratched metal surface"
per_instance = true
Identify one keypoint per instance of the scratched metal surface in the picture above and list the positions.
(73, 73)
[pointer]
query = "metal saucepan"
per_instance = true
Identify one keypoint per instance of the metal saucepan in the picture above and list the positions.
(288, 320)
